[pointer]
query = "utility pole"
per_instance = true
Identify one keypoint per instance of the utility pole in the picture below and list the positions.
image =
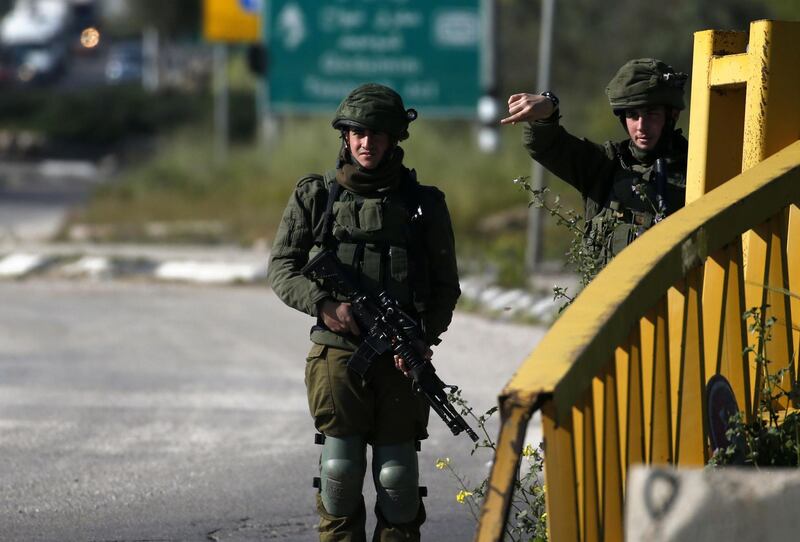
(267, 122)
(488, 107)
(533, 252)
(220, 103)
(152, 62)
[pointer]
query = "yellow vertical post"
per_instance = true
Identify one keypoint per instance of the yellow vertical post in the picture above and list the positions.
(757, 242)
(723, 327)
(661, 411)
(559, 467)
(647, 341)
(733, 363)
(622, 361)
(598, 415)
(515, 413)
(715, 297)
(676, 313)
(779, 348)
(717, 116)
(772, 110)
(591, 473)
(690, 448)
(744, 104)
(793, 268)
(611, 488)
(580, 483)
(635, 450)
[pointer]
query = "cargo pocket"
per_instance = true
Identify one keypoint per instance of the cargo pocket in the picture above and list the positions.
(399, 263)
(398, 285)
(318, 386)
(370, 216)
(344, 219)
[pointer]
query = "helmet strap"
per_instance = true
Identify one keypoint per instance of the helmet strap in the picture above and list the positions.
(621, 117)
(344, 156)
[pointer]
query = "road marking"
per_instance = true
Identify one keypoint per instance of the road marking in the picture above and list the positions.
(20, 264)
(210, 272)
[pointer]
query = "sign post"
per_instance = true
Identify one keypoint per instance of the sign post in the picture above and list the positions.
(224, 22)
(533, 249)
(232, 21)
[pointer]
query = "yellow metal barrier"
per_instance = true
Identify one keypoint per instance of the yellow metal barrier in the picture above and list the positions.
(620, 378)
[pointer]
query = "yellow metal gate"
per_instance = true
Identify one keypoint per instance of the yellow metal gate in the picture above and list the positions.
(620, 378)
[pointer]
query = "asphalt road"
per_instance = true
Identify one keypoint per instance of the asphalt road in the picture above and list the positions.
(146, 411)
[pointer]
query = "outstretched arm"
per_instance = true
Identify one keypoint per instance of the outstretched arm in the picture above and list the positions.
(579, 162)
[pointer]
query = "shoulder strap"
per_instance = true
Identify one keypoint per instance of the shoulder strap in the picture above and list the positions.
(418, 258)
(411, 196)
(611, 149)
(334, 188)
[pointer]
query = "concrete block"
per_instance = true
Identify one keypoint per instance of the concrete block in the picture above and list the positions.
(730, 504)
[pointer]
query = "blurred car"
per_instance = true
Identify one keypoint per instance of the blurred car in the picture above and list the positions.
(33, 33)
(39, 63)
(125, 63)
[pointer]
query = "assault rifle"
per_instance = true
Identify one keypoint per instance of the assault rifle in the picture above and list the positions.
(386, 328)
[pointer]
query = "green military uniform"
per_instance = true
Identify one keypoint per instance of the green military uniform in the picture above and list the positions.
(625, 189)
(394, 235)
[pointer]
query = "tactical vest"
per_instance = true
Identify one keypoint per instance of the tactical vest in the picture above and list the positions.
(638, 197)
(379, 239)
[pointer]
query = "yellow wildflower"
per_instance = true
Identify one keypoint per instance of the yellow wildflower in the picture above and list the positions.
(528, 451)
(442, 463)
(461, 495)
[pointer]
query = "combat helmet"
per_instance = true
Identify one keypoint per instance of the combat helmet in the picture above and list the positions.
(375, 107)
(646, 82)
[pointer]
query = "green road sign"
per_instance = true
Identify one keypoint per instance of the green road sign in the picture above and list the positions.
(429, 51)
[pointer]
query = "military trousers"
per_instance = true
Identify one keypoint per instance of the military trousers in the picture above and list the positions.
(383, 408)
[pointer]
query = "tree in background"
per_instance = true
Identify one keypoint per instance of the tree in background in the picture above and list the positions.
(785, 10)
(172, 19)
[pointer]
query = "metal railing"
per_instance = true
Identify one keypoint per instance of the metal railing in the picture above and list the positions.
(620, 378)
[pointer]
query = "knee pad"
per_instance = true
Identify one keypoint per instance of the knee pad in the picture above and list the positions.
(396, 474)
(342, 467)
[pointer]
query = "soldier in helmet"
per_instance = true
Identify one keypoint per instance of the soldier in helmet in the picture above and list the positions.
(395, 235)
(627, 186)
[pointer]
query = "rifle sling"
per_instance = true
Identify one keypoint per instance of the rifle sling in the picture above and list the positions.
(324, 239)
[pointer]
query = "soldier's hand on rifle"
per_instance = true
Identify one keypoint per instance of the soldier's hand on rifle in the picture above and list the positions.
(338, 317)
(528, 107)
(422, 348)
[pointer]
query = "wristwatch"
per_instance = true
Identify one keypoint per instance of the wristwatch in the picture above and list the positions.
(552, 97)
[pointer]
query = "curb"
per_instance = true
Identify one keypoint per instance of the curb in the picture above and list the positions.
(222, 266)
(205, 265)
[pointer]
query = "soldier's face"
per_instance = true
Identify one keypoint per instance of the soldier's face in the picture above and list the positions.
(367, 147)
(645, 125)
